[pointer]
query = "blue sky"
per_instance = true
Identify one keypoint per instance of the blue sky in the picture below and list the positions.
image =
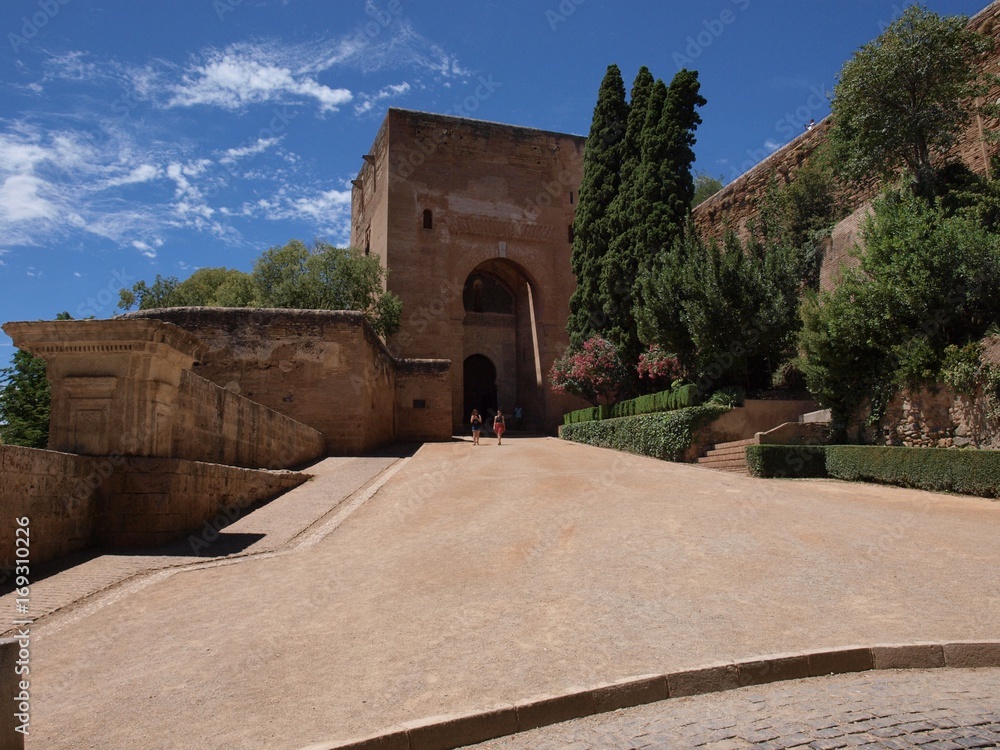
(145, 137)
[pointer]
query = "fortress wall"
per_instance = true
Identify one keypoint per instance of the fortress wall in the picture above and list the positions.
(151, 501)
(215, 425)
(324, 368)
(75, 502)
(54, 491)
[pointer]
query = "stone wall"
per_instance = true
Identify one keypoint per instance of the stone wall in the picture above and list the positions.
(55, 491)
(937, 418)
(215, 425)
(124, 387)
(324, 368)
(423, 398)
(151, 501)
(76, 502)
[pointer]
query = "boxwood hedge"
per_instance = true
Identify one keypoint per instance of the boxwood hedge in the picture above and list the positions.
(786, 460)
(664, 435)
(970, 472)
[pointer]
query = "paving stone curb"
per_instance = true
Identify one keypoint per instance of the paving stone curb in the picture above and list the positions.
(451, 731)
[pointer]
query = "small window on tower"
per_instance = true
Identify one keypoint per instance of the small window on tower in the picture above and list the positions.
(569, 233)
(428, 219)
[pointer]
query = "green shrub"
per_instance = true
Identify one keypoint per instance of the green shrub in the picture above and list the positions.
(664, 435)
(680, 397)
(787, 460)
(586, 415)
(730, 395)
(970, 472)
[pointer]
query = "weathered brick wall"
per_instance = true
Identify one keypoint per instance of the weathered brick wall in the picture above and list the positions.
(54, 490)
(215, 425)
(151, 501)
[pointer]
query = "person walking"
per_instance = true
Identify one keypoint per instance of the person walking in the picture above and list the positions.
(499, 426)
(477, 425)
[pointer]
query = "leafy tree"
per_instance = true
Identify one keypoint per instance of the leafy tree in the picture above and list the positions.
(595, 372)
(206, 287)
(904, 98)
(926, 282)
(25, 400)
(802, 213)
(705, 186)
(728, 311)
(326, 278)
(602, 160)
(323, 277)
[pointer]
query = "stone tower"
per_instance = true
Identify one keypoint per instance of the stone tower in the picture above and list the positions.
(473, 222)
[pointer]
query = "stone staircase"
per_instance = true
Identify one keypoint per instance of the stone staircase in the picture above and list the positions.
(729, 456)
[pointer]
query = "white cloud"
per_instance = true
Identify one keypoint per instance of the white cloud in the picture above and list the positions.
(241, 75)
(20, 199)
(368, 101)
(137, 175)
(262, 145)
(145, 248)
(772, 145)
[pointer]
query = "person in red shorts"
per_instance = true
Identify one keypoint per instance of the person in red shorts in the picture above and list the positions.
(499, 426)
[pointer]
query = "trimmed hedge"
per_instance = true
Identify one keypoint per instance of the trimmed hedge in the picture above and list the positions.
(589, 414)
(970, 472)
(678, 398)
(793, 461)
(664, 435)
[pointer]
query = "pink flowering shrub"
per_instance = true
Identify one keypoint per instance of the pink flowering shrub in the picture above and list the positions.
(658, 366)
(594, 373)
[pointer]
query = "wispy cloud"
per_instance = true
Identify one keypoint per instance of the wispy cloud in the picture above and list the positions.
(368, 101)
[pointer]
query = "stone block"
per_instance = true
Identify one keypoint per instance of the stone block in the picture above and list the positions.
(543, 710)
(634, 691)
(772, 669)
(709, 679)
(839, 661)
(971, 654)
(458, 730)
(910, 656)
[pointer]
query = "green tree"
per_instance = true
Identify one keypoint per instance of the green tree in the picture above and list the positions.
(656, 201)
(24, 402)
(728, 311)
(602, 159)
(327, 278)
(802, 213)
(904, 98)
(206, 287)
(705, 186)
(294, 275)
(926, 281)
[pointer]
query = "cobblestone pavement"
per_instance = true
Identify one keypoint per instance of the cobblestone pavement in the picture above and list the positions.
(934, 709)
(260, 529)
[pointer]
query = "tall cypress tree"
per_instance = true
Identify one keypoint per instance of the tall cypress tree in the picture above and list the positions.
(592, 231)
(621, 264)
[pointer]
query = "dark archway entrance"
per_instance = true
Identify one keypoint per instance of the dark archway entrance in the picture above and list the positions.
(479, 376)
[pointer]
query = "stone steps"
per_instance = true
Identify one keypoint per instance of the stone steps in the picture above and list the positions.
(730, 456)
